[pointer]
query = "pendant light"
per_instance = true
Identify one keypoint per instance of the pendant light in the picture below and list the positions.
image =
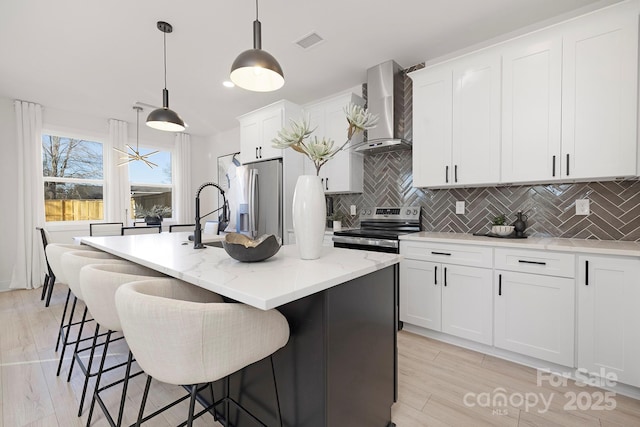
(255, 69)
(135, 154)
(165, 118)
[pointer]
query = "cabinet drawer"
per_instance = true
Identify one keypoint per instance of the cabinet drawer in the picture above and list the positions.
(537, 262)
(474, 256)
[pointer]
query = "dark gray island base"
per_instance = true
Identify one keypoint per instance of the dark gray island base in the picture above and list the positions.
(339, 367)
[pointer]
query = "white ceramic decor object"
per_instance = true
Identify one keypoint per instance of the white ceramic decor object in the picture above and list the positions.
(309, 216)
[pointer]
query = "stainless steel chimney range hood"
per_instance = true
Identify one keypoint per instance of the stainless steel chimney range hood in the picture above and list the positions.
(385, 98)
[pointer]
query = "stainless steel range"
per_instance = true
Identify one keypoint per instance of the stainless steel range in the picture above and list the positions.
(380, 228)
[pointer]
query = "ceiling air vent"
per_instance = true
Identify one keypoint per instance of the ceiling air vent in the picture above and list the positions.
(310, 40)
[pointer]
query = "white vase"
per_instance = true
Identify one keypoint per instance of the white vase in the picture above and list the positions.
(337, 225)
(309, 216)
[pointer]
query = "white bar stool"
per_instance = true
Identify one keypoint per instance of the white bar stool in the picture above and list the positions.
(72, 263)
(180, 334)
(99, 283)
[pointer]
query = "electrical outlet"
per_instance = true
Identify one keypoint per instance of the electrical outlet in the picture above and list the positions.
(352, 209)
(582, 207)
(460, 208)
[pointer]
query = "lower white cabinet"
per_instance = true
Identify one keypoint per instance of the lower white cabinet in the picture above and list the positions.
(445, 297)
(534, 315)
(608, 317)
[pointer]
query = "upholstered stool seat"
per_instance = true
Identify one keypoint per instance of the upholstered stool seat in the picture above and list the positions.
(99, 283)
(180, 334)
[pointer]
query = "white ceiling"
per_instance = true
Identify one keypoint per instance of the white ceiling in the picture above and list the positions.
(101, 57)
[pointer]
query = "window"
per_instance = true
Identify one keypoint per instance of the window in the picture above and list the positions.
(151, 186)
(73, 175)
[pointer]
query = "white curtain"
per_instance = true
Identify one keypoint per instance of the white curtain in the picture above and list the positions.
(117, 194)
(29, 267)
(184, 211)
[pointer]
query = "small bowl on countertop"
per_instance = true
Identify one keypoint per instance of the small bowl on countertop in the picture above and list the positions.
(502, 230)
(244, 249)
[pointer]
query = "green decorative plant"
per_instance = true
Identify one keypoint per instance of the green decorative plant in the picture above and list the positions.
(336, 216)
(499, 220)
(320, 151)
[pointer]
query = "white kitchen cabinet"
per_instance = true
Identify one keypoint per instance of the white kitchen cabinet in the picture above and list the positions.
(456, 116)
(260, 127)
(438, 294)
(531, 108)
(608, 317)
(344, 172)
(600, 94)
(534, 304)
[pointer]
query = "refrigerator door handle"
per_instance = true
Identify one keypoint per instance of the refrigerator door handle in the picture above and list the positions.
(253, 203)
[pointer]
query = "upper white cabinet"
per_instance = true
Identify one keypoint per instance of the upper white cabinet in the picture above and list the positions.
(559, 104)
(344, 172)
(260, 127)
(600, 95)
(456, 119)
(531, 106)
(608, 317)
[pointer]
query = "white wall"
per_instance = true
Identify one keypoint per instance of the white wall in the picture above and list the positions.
(8, 193)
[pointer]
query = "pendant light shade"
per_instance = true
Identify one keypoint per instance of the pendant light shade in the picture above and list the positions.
(255, 69)
(164, 118)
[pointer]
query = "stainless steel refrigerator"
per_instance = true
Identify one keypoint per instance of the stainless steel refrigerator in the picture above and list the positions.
(255, 198)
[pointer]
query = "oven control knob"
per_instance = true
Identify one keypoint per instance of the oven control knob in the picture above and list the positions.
(408, 211)
(415, 211)
(368, 212)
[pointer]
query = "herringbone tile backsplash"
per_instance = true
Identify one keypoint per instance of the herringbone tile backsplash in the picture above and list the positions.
(615, 206)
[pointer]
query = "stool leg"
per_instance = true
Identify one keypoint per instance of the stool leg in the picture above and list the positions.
(275, 384)
(99, 376)
(65, 342)
(52, 281)
(125, 384)
(87, 376)
(44, 286)
(213, 399)
(75, 351)
(64, 314)
(144, 401)
(192, 404)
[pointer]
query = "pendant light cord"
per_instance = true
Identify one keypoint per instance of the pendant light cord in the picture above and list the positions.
(137, 129)
(256, 10)
(165, 58)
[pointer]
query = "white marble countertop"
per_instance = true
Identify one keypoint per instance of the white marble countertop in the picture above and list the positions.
(603, 247)
(279, 280)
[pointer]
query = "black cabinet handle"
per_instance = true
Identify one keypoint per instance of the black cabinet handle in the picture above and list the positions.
(586, 273)
(256, 152)
(567, 165)
(524, 261)
(499, 284)
(553, 166)
(435, 275)
(440, 253)
(455, 173)
(322, 181)
(446, 174)
(260, 152)
(445, 276)
(326, 184)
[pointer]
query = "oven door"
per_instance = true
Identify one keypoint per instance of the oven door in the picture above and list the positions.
(367, 244)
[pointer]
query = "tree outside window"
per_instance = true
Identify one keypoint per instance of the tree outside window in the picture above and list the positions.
(151, 186)
(73, 174)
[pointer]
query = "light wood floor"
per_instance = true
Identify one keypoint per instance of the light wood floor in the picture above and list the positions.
(435, 381)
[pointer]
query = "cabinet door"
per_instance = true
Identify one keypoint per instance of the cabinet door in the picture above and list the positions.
(432, 104)
(534, 315)
(608, 317)
(476, 119)
(338, 171)
(467, 302)
(531, 106)
(420, 292)
(249, 139)
(599, 95)
(272, 123)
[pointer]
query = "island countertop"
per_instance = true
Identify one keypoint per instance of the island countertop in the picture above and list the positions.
(279, 280)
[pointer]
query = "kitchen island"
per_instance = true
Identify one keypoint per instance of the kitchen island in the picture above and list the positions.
(340, 364)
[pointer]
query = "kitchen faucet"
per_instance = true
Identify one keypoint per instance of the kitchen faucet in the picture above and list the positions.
(197, 234)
